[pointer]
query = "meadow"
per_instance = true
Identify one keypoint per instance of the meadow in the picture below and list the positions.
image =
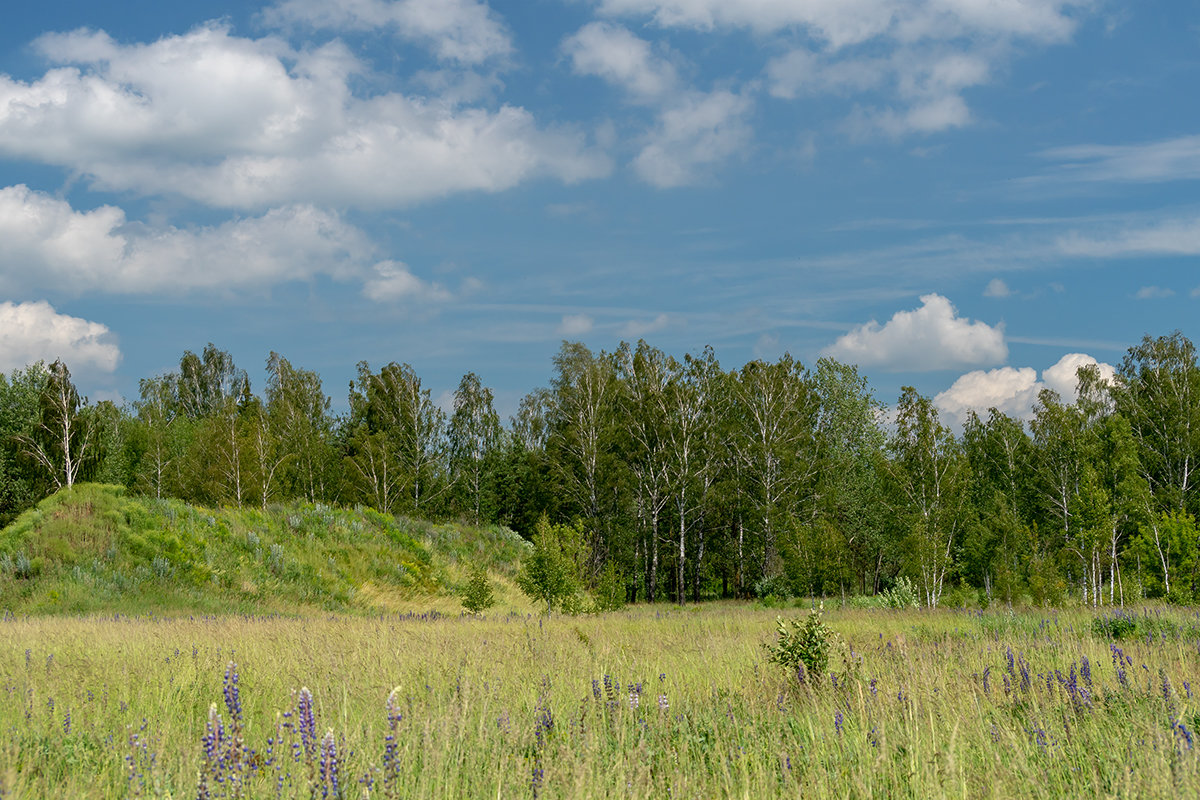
(652, 701)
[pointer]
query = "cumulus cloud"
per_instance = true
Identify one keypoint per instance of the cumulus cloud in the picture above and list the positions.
(32, 332)
(575, 324)
(241, 123)
(45, 243)
(931, 337)
(464, 31)
(613, 53)
(394, 282)
(698, 131)
(1014, 390)
(920, 54)
(1154, 293)
(997, 288)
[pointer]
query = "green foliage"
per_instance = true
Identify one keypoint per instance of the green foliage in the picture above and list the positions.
(610, 590)
(1117, 625)
(477, 595)
(902, 594)
(802, 647)
(100, 549)
(549, 574)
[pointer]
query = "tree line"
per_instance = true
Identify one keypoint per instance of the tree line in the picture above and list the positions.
(680, 479)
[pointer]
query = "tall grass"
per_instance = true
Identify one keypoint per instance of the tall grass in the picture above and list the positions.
(649, 702)
(96, 548)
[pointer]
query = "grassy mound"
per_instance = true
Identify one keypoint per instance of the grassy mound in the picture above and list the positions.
(97, 548)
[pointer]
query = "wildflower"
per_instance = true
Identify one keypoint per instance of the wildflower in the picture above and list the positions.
(662, 703)
(330, 770)
(837, 723)
(233, 700)
(307, 722)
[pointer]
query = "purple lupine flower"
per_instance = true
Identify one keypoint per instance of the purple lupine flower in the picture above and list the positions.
(837, 723)
(233, 699)
(1085, 670)
(663, 705)
(307, 722)
(1184, 734)
(872, 686)
(330, 769)
(986, 686)
(1168, 697)
(537, 775)
(391, 761)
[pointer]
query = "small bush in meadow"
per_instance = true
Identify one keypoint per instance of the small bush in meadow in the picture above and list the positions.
(477, 596)
(902, 594)
(1117, 625)
(802, 647)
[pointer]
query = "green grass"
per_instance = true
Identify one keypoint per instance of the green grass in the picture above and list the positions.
(98, 549)
(648, 702)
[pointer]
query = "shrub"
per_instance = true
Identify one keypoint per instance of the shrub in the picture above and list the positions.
(610, 590)
(902, 594)
(802, 647)
(477, 596)
(1117, 625)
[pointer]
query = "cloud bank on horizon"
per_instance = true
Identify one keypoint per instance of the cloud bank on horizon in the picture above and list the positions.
(468, 184)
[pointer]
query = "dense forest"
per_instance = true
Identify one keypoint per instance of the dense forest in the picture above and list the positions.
(685, 480)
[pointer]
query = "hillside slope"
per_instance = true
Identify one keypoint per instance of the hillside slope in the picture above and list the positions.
(97, 548)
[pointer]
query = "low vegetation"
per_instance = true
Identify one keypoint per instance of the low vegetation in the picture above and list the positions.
(652, 701)
(96, 548)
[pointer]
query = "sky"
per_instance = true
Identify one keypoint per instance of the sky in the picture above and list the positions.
(972, 197)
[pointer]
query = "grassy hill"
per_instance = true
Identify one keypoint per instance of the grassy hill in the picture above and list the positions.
(98, 548)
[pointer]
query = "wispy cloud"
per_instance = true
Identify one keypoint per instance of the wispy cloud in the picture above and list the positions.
(1150, 162)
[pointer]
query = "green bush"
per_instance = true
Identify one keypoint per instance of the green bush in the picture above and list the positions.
(1117, 625)
(802, 647)
(477, 596)
(610, 590)
(902, 594)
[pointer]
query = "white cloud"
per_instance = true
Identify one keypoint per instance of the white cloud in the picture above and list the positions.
(1010, 390)
(575, 324)
(1014, 391)
(1169, 237)
(227, 122)
(997, 288)
(920, 55)
(394, 282)
(464, 31)
(931, 337)
(32, 332)
(842, 23)
(1166, 160)
(698, 131)
(636, 329)
(1062, 376)
(613, 53)
(1154, 293)
(46, 244)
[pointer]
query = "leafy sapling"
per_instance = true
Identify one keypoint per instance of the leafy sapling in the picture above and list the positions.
(477, 596)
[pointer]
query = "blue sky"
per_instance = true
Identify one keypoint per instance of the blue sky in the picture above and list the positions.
(970, 196)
